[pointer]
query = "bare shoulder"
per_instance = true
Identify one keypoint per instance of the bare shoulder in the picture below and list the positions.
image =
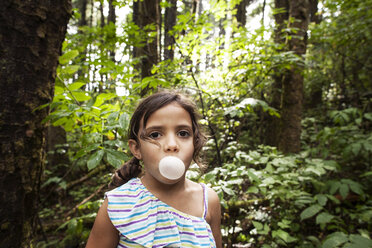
(214, 205)
(213, 198)
(214, 216)
(192, 185)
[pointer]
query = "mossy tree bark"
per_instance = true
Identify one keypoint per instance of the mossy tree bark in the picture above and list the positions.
(292, 87)
(286, 132)
(170, 17)
(31, 36)
(147, 12)
(273, 123)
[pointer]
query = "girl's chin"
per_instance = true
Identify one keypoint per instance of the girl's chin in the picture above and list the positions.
(168, 181)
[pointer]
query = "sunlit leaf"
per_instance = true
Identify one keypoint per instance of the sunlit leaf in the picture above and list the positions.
(95, 159)
(68, 56)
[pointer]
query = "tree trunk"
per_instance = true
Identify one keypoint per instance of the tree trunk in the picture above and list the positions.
(144, 13)
(316, 91)
(102, 15)
(273, 127)
(241, 12)
(314, 15)
(31, 36)
(292, 87)
(169, 22)
(111, 18)
(194, 6)
(82, 5)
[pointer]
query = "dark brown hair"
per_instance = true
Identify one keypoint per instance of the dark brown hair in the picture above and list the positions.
(144, 110)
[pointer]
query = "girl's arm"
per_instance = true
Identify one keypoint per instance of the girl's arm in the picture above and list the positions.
(103, 233)
(214, 208)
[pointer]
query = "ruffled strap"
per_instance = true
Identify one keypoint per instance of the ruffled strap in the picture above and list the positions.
(205, 200)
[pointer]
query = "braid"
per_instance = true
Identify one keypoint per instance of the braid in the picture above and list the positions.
(127, 171)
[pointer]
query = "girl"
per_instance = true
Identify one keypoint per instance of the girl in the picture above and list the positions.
(160, 207)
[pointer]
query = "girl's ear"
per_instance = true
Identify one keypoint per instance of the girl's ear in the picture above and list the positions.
(134, 148)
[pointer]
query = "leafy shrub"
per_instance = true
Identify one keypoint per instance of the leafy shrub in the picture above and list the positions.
(275, 200)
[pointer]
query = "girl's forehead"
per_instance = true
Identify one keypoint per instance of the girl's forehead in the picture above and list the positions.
(169, 113)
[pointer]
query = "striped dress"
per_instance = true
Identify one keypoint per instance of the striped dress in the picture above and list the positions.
(145, 221)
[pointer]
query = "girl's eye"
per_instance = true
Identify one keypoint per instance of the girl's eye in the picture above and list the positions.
(184, 133)
(154, 135)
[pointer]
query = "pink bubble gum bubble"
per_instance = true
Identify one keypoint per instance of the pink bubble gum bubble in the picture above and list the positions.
(171, 167)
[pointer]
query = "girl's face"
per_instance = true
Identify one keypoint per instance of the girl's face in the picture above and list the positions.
(170, 128)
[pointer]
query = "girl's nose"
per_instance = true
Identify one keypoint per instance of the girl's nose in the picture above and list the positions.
(171, 145)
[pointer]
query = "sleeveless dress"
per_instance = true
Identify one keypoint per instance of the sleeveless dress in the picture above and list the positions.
(145, 221)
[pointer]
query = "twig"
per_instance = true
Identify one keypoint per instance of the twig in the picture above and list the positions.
(51, 191)
(84, 178)
(209, 125)
(77, 102)
(86, 200)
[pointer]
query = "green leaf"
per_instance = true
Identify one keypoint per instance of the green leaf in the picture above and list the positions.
(324, 218)
(70, 69)
(334, 240)
(335, 185)
(101, 98)
(284, 224)
(313, 239)
(360, 241)
(344, 190)
(322, 199)
(68, 56)
(63, 185)
(111, 119)
(72, 225)
(95, 159)
(355, 148)
(113, 160)
(356, 188)
(252, 175)
(52, 180)
(283, 235)
(258, 225)
(210, 176)
(81, 96)
(228, 191)
(252, 189)
(124, 121)
(367, 174)
(265, 230)
(310, 211)
(316, 170)
(75, 86)
(330, 165)
(368, 116)
(118, 154)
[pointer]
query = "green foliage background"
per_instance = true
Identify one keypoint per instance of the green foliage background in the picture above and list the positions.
(320, 197)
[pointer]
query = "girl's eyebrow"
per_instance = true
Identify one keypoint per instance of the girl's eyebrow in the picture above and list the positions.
(162, 127)
(184, 127)
(154, 128)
